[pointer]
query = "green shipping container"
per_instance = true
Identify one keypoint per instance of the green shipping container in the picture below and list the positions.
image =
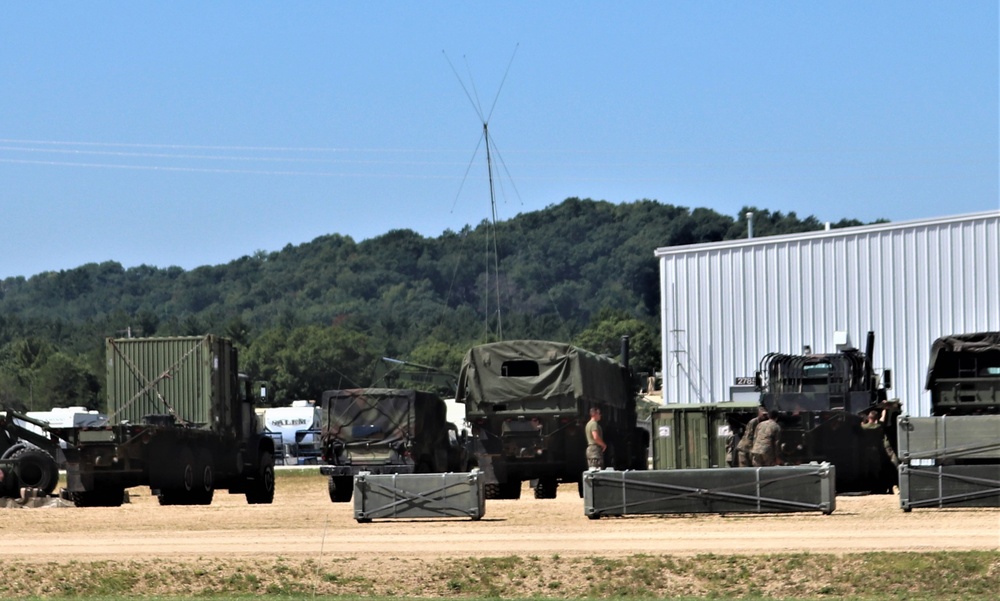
(695, 436)
(180, 380)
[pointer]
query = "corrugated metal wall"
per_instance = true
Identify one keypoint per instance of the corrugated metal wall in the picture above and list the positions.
(726, 305)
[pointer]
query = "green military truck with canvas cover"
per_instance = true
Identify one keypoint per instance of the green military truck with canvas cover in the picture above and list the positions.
(180, 420)
(528, 402)
(385, 431)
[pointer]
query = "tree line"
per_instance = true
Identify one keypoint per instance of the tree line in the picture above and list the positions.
(319, 315)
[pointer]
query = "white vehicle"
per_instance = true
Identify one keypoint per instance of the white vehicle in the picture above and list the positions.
(295, 429)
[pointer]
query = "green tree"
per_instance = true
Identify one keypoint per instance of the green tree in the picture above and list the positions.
(303, 362)
(65, 381)
(605, 333)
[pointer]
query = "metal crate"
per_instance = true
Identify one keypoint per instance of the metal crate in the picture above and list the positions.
(780, 489)
(963, 438)
(949, 486)
(407, 496)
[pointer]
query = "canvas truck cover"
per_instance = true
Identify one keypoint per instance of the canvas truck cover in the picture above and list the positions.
(981, 342)
(190, 380)
(536, 370)
(378, 417)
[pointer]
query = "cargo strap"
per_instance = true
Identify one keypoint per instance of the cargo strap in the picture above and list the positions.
(150, 385)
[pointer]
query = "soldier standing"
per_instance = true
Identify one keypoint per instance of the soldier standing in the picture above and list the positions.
(764, 451)
(880, 457)
(746, 441)
(595, 440)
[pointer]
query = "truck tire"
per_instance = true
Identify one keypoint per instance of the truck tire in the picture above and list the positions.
(13, 449)
(341, 488)
(260, 490)
(492, 491)
(204, 480)
(104, 496)
(510, 490)
(546, 488)
(9, 486)
(36, 469)
(183, 491)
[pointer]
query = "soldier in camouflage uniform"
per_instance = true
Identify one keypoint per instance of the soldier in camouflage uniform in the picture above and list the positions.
(595, 440)
(881, 457)
(764, 451)
(746, 441)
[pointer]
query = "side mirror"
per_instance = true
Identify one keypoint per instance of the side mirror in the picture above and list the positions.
(887, 378)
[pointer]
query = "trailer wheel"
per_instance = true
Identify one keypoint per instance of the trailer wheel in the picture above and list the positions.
(260, 490)
(35, 468)
(341, 488)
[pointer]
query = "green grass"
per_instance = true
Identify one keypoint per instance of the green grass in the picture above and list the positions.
(793, 576)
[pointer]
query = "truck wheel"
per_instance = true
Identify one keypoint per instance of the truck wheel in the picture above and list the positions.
(260, 490)
(510, 490)
(546, 488)
(492, 491)
(13, 449)
(183, 492)
(105, 496)
(341, 488)
(35, 468)
(204, 482)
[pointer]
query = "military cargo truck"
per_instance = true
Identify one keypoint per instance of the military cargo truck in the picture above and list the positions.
(964, 374)
(528, 402)
(385, 431)
(952, 458)
(821, 400)
(180, 420)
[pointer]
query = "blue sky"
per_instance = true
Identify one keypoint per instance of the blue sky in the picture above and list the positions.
(193, 133)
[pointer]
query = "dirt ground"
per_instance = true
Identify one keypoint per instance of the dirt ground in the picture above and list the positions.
(303, 523)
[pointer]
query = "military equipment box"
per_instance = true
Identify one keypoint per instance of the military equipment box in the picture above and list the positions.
(949, 486)
(380, 496)
(960, 439)
(779, 489)
(697, 436)
(189, 379)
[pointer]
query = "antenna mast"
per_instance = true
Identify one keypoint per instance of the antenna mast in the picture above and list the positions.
(492, 245)
(496, 249)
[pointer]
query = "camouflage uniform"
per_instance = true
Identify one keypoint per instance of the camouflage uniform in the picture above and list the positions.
(595, 454)
(880, 458)
(765, 444)
(746, 442)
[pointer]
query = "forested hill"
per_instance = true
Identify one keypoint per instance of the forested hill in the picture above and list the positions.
(317, 315)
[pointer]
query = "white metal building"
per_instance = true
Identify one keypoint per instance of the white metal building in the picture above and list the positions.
(725, 305)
